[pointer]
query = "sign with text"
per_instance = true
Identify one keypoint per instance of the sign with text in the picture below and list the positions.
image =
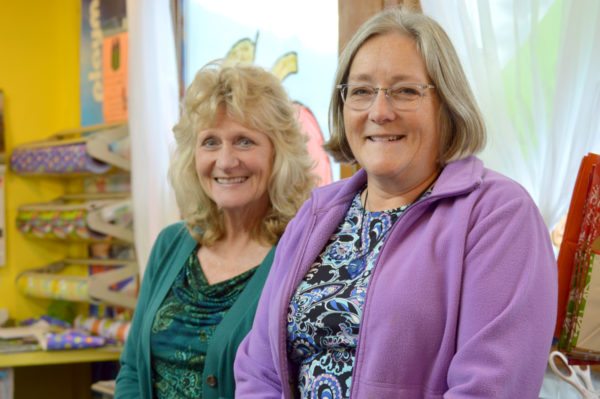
(101, 22)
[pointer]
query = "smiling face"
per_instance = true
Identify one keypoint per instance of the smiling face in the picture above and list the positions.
(397, 149)
(234, 164)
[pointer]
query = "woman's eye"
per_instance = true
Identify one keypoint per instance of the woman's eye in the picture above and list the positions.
(361, 91)
(405, 91)
(209, 142)
(245, 142)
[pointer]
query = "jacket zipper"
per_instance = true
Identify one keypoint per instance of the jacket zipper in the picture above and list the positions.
(411, 211)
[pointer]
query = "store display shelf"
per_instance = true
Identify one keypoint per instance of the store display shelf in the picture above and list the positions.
(41, 358)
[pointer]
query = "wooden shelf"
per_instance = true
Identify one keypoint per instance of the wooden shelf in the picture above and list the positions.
(42, 358)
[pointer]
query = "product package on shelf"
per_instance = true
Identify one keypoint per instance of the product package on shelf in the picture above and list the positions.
(578, 321)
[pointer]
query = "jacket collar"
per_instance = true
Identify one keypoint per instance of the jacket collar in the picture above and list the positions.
(463, 175)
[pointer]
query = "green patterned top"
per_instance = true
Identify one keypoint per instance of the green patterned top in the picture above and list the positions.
(184, 325)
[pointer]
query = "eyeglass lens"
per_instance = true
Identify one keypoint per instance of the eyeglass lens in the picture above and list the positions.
(405, 97)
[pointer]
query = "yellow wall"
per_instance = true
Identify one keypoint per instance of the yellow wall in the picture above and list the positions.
(39, 74)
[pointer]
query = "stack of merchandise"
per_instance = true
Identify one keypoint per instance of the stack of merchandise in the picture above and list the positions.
(47, 333)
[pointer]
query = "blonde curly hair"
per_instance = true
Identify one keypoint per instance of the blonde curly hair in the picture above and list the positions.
(256, 99)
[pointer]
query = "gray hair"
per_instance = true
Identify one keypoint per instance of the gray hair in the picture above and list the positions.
(462, 127)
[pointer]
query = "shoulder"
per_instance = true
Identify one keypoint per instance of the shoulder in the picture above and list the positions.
(174, 233)
(471, 179)
(177, 229)
(500, 192)
(501, 201)
(173, 242)
(473, 192)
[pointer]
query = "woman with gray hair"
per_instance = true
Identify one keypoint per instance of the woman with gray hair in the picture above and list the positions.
(424, 275)
(240, 172)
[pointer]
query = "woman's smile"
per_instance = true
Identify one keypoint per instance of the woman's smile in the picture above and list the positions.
(231, 180)
(384, 138)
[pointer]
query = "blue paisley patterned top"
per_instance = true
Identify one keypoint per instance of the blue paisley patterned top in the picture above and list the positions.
(183, 326)
(326, 310)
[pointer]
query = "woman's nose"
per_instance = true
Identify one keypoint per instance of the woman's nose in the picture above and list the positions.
(381, 110)
(227, 158)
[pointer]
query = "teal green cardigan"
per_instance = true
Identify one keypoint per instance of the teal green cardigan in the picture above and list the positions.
(172, 247)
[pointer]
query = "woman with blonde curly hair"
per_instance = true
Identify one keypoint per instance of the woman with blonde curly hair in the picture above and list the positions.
(240, 172)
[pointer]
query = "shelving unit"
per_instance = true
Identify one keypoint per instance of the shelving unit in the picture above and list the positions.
(76, 221)
(80, 218)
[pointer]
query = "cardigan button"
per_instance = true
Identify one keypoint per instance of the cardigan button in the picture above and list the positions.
(203, 336)
(211, 381)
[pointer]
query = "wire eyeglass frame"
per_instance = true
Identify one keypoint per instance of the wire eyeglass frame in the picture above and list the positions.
(405, 96)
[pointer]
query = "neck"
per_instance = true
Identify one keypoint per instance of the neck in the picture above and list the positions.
(236, 243)
(235, 253)
(242, 222)
(387, 196)
(238, 237)
(237, 230)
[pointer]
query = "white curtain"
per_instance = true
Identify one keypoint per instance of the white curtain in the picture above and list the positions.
(153, 110)
(543, 115)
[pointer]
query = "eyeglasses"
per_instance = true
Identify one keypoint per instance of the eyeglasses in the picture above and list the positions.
(402, 96)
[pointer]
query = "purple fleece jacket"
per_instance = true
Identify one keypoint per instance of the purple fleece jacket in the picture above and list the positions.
(461, 304)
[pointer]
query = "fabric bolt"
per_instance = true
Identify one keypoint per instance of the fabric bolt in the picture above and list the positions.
(61, 226)
(461, 302)
(51, 321)
(57, 224)
(53, 286)
(71, 158)
(73, 339)
(111, 329)
(184, 325)
(172, 248)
